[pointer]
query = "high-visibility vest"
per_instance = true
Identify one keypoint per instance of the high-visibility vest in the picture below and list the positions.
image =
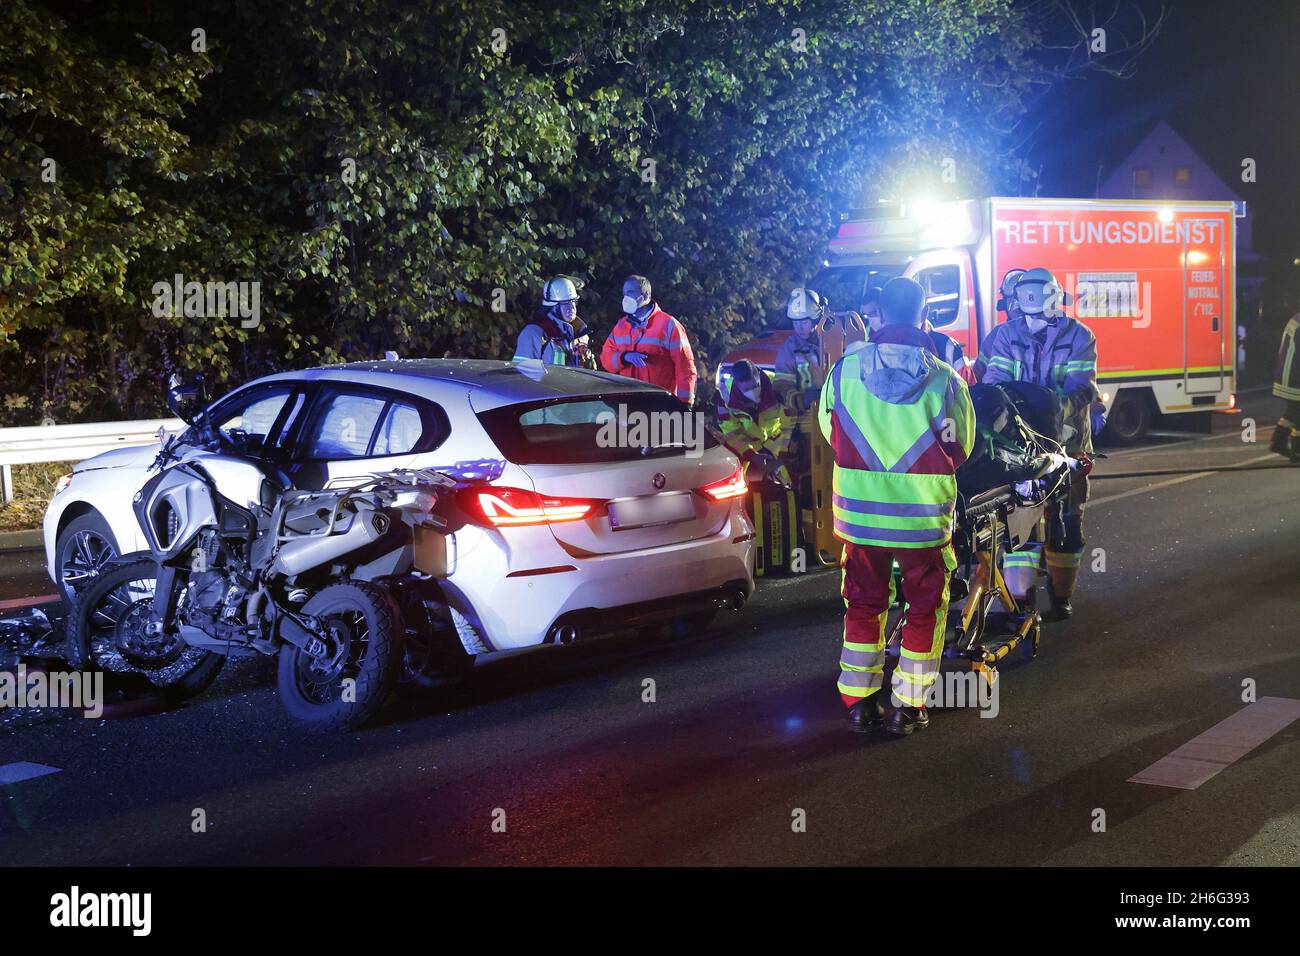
(747, 427)
(894, 482)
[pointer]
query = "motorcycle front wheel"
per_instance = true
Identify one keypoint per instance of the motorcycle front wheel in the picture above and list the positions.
(106, 632)
(346, 689)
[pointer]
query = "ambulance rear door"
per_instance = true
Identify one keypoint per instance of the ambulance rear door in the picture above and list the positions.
(1206, 347)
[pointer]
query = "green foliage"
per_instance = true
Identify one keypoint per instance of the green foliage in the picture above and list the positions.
(477, 167)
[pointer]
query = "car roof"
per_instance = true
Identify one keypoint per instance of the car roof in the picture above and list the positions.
(493, 382)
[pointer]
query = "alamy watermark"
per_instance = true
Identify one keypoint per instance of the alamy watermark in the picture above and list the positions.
(631, 428)
(211, 300)
(40, 689)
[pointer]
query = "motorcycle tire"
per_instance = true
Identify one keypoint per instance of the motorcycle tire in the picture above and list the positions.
(94, 634)
(314, 693)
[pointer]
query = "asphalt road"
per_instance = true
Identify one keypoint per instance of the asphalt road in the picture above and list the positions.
(745, 736)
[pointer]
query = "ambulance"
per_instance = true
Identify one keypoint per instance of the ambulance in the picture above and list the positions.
(1154, 280)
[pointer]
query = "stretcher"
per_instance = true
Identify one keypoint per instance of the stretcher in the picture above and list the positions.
(987, 621)
(999, 591)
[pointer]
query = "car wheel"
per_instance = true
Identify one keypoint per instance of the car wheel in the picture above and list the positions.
(84, 547)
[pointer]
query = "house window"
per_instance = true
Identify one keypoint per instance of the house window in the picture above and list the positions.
(1141, 177)
(1183, 175)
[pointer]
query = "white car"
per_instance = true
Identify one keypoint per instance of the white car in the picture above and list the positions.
(569, 537)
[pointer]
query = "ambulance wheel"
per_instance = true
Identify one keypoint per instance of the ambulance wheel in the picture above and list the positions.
(1129, 418)
(1029, 646)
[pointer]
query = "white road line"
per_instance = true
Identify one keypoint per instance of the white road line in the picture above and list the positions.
(18, 772)
(1174, 481)
(1223, 744)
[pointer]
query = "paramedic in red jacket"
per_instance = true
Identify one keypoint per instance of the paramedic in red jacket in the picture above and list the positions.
(649, 345)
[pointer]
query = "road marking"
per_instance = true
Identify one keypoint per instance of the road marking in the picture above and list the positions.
(18, 772)
(27, 601)
(1093, 503)
(1225, 743)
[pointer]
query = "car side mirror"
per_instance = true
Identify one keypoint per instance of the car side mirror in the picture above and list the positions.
(186, 399)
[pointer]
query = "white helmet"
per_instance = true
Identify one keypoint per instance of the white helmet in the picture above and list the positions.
(804, 304)
(1039, 294)
(559, 289)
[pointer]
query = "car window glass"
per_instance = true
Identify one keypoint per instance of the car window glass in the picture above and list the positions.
(400, 432)
(346, 426)
(256, 418)
(943, 293)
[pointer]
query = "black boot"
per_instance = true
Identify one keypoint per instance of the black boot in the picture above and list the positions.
(866, 714)
(1061, 610)
(905, 720)
(1281, 441)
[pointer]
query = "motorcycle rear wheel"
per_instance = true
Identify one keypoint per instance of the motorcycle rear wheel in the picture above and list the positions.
(105, 633)
(366, 624)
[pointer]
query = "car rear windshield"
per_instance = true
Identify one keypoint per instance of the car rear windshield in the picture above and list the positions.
(597, 428)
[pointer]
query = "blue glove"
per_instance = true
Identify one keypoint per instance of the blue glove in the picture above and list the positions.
(634, 358)
(1098, 415)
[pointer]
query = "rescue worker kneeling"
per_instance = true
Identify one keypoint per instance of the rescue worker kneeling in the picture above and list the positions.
(754, 422)
(899, 422)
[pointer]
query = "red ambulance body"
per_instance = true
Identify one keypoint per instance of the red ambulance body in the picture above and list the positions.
(1154, 280)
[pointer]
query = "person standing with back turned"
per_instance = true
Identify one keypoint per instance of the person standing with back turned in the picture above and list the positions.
(899, 422)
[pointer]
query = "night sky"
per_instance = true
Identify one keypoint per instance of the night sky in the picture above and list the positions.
(1226, 75)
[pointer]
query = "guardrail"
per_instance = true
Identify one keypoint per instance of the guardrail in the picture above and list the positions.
(42, 443)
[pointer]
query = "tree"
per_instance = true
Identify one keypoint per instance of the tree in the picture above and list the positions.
(389, 171)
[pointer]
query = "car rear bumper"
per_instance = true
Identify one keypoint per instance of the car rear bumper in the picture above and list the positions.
(591, 621)
(514, 610)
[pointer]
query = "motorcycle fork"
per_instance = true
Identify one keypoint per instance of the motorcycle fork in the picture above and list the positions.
(166, 597)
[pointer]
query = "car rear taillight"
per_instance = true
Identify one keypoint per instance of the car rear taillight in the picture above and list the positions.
(511, 507)
(733, 486)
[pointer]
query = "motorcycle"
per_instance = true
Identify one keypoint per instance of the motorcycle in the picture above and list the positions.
(241, 563)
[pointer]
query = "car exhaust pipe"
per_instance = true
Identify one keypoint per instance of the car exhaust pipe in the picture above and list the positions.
(564, 635)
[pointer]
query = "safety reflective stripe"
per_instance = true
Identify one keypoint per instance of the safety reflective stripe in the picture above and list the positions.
(1025, 558)
(642, 340)
(895, 509)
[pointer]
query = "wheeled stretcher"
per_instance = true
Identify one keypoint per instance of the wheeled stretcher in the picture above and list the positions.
(988, 618)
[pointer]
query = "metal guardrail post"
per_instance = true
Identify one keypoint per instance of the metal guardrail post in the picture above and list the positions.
(6, 484)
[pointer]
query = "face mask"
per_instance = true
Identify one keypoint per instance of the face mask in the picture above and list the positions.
(874, 322)
(630, 305)
(1036, 323)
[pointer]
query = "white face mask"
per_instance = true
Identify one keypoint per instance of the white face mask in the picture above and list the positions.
(630, 305)
(1036, 323)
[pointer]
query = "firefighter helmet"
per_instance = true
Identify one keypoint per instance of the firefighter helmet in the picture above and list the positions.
(1007, 290)
(559, 289)
(804, 304)
(1039, 294)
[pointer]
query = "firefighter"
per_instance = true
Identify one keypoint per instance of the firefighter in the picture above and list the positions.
(1286, 386)
(899, 422)
(1043, 345)
(649, 345)
(799, 362)
(754, 422)
(555, 335)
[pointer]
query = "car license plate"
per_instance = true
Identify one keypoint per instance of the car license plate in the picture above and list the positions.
(650, 510)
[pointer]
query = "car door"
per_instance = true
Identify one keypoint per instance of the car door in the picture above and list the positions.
(351, 431)
(262, 417)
